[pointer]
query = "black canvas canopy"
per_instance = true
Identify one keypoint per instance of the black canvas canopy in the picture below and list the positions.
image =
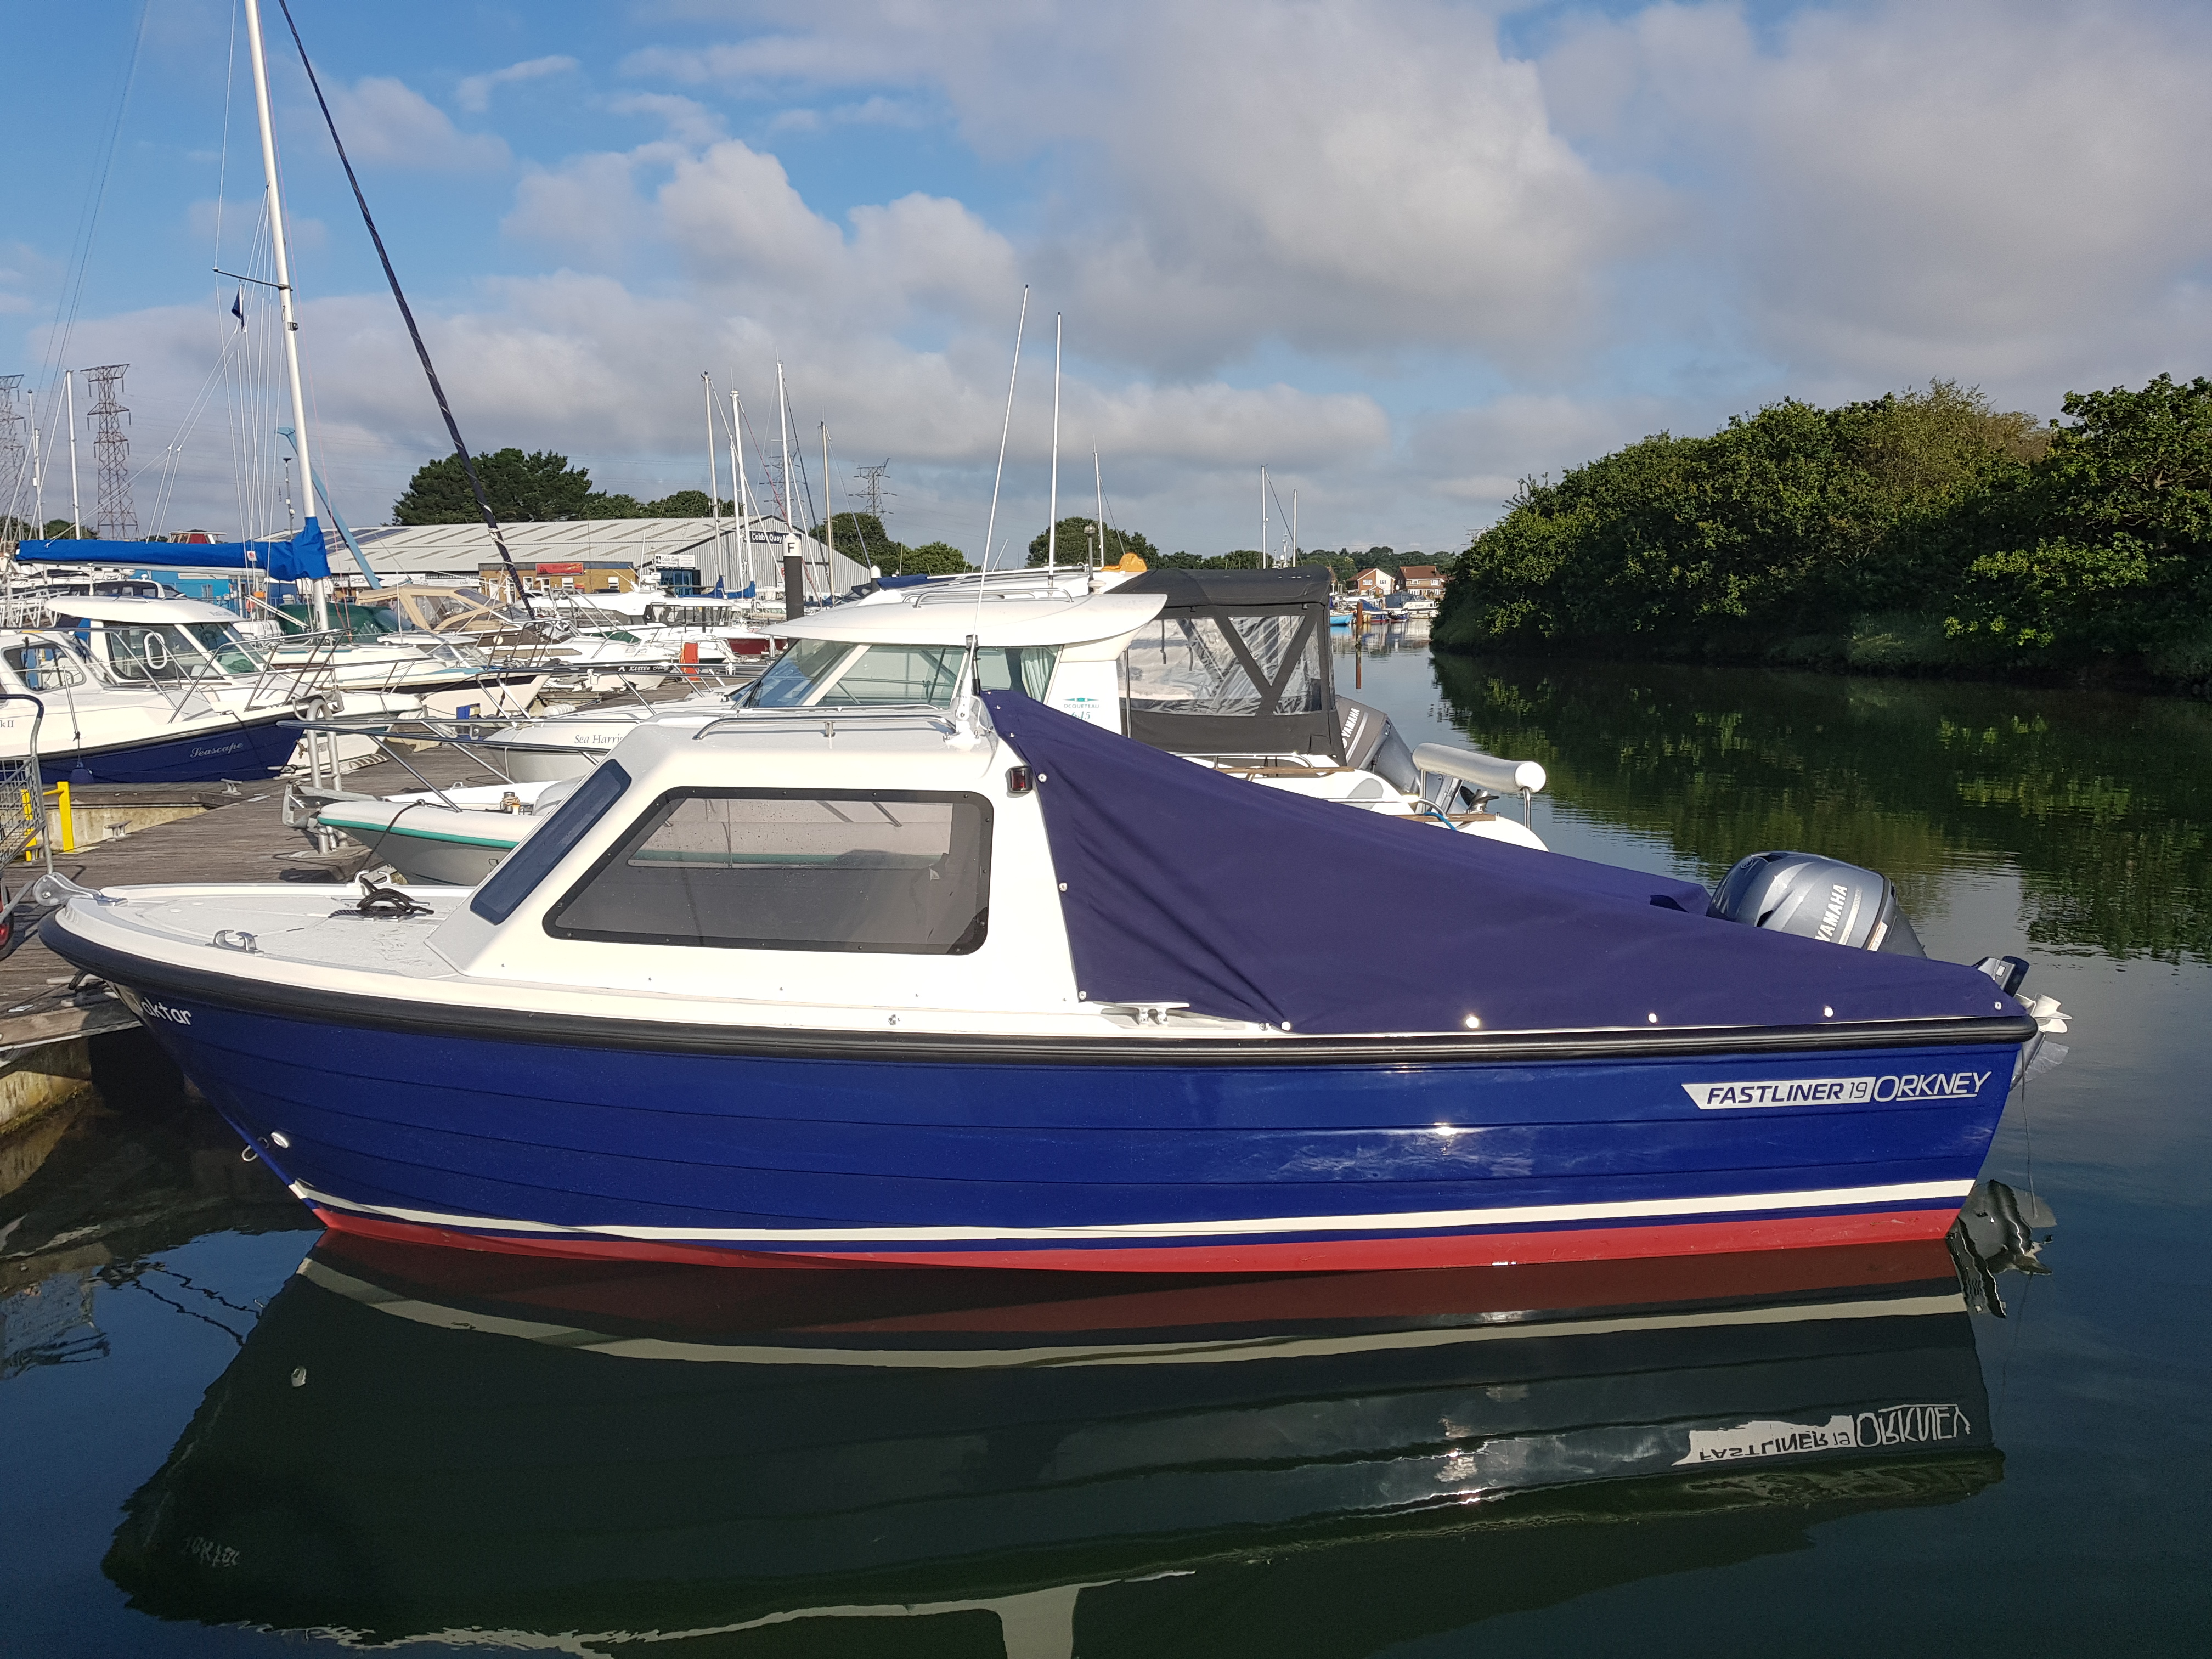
(1236, 663)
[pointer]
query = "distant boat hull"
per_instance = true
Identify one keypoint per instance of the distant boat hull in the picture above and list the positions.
(248, 749)
(516, 1131)
(425, 843)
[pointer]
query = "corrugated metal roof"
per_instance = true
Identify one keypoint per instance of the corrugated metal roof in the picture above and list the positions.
(457, 549)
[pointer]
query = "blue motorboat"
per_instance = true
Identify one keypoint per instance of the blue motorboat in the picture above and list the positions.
(82, 724)
(984, 984)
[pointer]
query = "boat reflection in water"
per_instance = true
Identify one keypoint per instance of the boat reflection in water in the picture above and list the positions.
(416, 1441)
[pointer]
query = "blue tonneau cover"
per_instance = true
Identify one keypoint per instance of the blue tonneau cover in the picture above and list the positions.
(1184, 884)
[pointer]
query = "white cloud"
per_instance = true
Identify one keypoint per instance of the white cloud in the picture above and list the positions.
(1355, 240)
(2005, 192)
(1345, 177)
(685, 120)
(23, 267)
(869, 112)
(473, 92)
(384, 119)
(1478, 456)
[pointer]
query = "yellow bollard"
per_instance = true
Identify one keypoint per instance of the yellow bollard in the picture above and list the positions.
(67, 814)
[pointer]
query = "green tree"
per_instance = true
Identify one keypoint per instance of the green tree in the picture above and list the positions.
(930, 559)
(535, 487)
(1244, 558)
(861, 536)
(685, 504)
(1076, 536)
(521, 488)
(1792, 521)
(2121, 559)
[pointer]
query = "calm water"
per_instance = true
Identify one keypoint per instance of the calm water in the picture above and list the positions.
(205, 1448)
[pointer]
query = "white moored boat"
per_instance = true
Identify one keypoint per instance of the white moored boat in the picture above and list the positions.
(1233, 671)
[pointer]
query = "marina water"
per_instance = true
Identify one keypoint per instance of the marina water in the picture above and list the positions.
(156, 1323)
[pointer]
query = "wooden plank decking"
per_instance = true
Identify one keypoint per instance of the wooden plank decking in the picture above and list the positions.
(242, 840)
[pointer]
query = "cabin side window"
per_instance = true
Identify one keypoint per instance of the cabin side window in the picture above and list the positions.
(887, 871)
(44, 667)
(550, 842)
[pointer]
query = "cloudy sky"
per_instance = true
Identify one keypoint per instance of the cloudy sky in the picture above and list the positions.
(1400, 253)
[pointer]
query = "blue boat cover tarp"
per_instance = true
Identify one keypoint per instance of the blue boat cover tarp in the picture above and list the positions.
(1186, 885)
(303, 558)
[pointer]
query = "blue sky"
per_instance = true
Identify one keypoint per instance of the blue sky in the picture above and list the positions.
(1401, 253)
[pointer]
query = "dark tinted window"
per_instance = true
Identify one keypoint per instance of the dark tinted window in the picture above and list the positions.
(552, 841)
(793, 870)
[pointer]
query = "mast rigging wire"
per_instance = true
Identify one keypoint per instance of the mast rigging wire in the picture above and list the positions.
(406, 312)
(71, 300)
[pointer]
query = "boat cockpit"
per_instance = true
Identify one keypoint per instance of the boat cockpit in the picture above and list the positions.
(149, 641)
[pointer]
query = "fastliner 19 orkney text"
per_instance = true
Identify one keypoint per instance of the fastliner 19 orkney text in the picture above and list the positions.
(992, 986)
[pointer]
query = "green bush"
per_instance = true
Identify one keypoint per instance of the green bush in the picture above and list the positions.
(1918, 529)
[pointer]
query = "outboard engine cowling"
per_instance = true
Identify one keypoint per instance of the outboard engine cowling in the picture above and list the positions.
(1816, 898)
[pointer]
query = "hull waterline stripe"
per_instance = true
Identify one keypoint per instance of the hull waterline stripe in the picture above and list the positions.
(366, 828)
(1919, 1192)
(1310, 1255)
(1129, 1353)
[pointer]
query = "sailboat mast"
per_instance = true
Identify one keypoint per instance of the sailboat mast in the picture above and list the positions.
(282, 255)
(714, 482)
(790, 535)
(69, 413)
(38, 466)
(1052, 517)
(744, 500)
(830, 511)
(1266, 555)
(1098, 481)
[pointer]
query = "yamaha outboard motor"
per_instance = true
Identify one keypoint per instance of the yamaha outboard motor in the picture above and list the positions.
(1814, 897)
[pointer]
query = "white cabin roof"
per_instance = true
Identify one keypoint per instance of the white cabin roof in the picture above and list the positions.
(941, 617)
(148, 612)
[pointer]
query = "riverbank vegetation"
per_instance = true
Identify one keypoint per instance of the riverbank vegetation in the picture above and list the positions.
(2098, 799)
(1924, 531)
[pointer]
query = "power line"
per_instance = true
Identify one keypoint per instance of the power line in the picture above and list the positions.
(114, 517)
(15, 456)
(871, 487)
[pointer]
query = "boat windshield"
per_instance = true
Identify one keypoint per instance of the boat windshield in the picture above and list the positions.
(450, 612)
(1265, 664)
(229, 649)
(696, 615)
(838, 674)
(168, 651)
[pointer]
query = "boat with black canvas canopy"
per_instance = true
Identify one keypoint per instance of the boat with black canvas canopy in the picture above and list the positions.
(995, 985)
(1231, 668)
